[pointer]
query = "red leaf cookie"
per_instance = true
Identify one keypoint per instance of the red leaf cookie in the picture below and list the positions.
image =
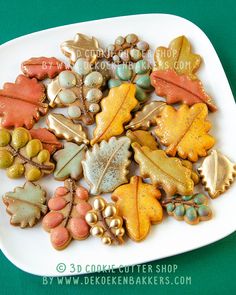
(178, 88)
(66, 220)
(21, 103)
(42, 67)
(48, 139)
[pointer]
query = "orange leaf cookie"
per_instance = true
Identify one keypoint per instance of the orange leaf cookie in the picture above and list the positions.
(180, 88)
(42, 67)
(47, 138)
(21, 103)
(184, 131)
(137, 203)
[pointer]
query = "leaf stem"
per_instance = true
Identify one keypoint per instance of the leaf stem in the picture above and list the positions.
(27, 160)
(116, 239)
(179, 201)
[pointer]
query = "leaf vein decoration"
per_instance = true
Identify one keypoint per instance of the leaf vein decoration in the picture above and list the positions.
(180, 88)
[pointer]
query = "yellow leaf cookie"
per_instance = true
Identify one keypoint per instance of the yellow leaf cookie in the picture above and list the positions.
(143, 138)
(116, 108)
(137, 203)
(184, 131)
(164, 172)
(178, 56)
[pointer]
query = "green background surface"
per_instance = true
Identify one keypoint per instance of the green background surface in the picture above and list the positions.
(212, 268)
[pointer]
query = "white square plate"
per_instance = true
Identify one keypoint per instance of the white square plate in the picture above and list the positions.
(30, 249)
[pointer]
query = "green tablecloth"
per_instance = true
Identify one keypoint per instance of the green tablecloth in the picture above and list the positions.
(210, 270)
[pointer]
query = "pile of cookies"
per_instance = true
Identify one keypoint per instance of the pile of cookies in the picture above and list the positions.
(162, 140)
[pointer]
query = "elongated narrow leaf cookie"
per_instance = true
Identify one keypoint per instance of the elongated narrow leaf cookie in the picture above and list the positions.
(69, 161)
(180, 88)
(64, 128)
(137, 203)
(147, 116)
(217, 173)
(185, 131)
(178, 57)
(116, 108)
(164, 172)
(105, 167)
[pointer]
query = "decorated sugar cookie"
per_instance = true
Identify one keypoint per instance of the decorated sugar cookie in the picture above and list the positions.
(42, 67)
(20, 155)
(81, 47)
(126, 49)
(78, 90)
(22, 103)
(106, 166)
(69, 161)
(26, 204)
(65, 128)
(192, 208)
(178, 56)
(138, 204)
(105, 222)
(116, 108)
(165, 172)
(217, 173)
(185, 131)
(66, 219)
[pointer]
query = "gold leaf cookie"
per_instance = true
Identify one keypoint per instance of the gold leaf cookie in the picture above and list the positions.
(66, 129)
(217, 173)
(147, 116)
(105, 222)
(82, 46)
